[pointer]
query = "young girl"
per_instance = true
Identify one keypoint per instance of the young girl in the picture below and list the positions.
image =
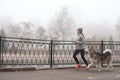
(80, 47)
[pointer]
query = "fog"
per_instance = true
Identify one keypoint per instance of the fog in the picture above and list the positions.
(97, 17)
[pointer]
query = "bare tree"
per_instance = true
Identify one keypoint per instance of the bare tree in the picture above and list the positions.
(97, 38)
(3, 44)
(40, 33)
(111, 42)
(2, 33)
(13, 30)
(27, 31)
(22, 30)
(62, 24)
(118, 27)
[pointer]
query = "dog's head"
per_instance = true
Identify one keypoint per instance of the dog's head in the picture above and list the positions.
(87, 51)
(91, 51)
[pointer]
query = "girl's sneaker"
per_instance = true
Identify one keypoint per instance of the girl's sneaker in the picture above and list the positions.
(77, 66)
(86, 68)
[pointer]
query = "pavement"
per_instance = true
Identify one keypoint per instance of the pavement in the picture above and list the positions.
(63, 74)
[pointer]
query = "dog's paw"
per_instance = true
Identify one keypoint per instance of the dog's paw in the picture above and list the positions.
(96, 66)
(99, 70)
(106, 69)
(112, 69)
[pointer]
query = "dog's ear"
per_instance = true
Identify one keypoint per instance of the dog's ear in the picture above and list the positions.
(91, 48)
(87, 50)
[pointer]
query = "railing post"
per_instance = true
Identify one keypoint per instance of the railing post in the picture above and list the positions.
(51, 56)
(102, 46)
(0, 54)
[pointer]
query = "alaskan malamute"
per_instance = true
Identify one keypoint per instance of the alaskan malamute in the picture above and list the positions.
(98, 58)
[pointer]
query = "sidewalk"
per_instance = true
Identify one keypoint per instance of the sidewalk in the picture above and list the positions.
(62, 74)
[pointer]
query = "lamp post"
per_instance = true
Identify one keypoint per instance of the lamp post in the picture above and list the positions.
(21, 36)
(53, 38)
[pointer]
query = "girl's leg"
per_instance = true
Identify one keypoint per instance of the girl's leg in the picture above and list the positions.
(74, 56)
(83, 57)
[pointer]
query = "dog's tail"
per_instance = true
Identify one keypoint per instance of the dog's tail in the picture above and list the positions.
(107, 50)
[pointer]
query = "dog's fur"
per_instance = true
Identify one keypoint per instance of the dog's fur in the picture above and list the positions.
(100, 58)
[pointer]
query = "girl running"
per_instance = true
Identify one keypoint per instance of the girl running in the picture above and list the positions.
(80, 48)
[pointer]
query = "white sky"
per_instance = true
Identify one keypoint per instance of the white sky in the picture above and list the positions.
(83, 11)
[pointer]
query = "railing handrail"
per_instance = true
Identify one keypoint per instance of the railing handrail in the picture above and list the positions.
(23, 38)
(53, 40)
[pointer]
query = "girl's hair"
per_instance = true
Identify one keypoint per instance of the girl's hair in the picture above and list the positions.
(83, 35)
(81, 31)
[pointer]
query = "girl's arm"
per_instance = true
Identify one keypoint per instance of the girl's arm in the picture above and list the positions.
(80, 42)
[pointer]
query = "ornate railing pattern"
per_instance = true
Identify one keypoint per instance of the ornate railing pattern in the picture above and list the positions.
(21, 51)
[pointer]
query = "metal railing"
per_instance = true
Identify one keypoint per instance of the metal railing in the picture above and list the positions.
(21, 51)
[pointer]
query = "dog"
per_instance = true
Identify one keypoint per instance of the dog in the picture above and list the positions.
(98, 58)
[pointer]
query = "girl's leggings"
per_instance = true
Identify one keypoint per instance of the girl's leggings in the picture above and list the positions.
(82, 52)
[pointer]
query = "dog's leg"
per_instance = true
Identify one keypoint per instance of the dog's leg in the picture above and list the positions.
(111, 65)
(99, 67)
(108, 66)
(96, 65)
(90, 64)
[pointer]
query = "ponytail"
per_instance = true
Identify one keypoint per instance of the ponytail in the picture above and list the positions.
(83, 35)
